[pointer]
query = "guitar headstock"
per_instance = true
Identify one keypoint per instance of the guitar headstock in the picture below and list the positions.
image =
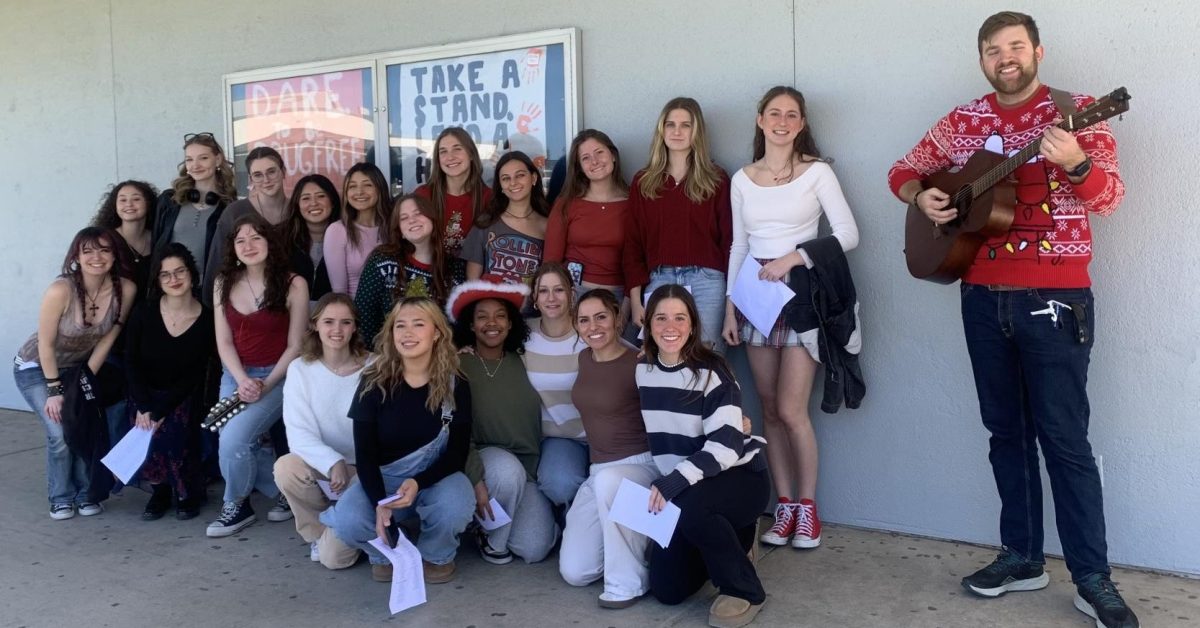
(1110, 106)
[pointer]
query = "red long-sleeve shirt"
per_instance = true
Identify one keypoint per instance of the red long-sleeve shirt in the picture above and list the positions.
(590, 233)
(671, 230)
(1050, 242)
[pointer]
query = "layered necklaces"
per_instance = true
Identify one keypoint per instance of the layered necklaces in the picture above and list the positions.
(778, 175)
(258, 299)
(491, 373)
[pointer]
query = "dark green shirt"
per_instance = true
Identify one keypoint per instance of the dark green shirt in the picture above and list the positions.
(507, 412)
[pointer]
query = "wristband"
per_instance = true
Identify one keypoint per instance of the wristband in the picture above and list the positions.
(1082, 169)
(54, 390)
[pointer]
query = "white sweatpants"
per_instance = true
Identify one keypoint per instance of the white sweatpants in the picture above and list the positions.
(594, 546)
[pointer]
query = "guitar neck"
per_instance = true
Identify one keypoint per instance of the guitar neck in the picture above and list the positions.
(1005, 168)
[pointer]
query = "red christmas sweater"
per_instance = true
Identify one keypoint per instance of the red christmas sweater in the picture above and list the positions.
(1050, 242)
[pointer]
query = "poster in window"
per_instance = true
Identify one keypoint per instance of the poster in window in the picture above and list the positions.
(320, 123)
(507, 100)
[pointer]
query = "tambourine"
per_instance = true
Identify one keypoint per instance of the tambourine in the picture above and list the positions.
(222, 412)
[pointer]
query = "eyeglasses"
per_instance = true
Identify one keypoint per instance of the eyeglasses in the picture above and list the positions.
(192, 136)
(178, 273)
(264, 175)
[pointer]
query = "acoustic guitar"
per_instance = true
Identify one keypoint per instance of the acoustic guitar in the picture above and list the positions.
(985, 197)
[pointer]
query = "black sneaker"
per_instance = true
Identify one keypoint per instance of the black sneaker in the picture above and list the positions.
(281, 511)
(1097, 597)
(495, 557)
(1009, 572)
(235, 515)
(160, 502)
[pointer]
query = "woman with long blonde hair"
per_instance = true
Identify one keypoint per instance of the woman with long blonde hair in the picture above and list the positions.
(317, 393)
(679, 228)
(412, 432)
(189, 211)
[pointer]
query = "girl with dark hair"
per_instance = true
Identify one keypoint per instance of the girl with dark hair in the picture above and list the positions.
(587, 224)
(126, 210)
(168, 343)
(80, 316)
(691, 405)
(552, 366)
(412, 265)
(777, 206)
(267, 198)
(188, 212)
(606, 394)
(261, 312)
(507, 239)
(507, 430)
(457, 191)
(318, 391)
(412, 417)
(679, 227)
(367, 205)
(313, 206)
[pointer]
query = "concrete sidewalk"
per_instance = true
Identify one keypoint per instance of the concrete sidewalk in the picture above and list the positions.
(116, 570)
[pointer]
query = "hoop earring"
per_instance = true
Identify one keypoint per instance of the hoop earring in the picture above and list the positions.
(74, 266)
(237, 263)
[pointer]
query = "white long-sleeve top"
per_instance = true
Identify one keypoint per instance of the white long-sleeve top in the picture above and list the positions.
(770, 222)
(315, 407)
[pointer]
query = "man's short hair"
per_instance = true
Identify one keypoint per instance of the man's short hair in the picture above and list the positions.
(1004, 19)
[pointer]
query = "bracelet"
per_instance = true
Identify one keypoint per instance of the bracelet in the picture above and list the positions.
(54, 390)
(917, 196)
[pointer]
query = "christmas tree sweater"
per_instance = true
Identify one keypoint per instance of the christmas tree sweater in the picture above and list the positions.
(1050, 243)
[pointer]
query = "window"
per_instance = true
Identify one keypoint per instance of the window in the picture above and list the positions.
(517, 92)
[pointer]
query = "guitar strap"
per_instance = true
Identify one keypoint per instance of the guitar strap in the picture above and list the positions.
(1064, 102)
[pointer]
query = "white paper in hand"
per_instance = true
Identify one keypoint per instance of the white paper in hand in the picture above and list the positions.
(759, 300)
(630, 508)
(408, 578)
(328, 490)
(501, 518)
(128, 455)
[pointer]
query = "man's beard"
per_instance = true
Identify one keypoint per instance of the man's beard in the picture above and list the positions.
(1023, 80)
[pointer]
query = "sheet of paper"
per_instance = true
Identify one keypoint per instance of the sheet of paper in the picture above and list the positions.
(759, 300)
(501, 517)
(128, 455)
(325, 488)
(630, 509)
(408, 578)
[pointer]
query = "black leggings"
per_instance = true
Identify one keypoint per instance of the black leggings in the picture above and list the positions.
(716, 529)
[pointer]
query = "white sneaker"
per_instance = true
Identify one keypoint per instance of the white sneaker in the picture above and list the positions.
(59, 512)
(313, 554)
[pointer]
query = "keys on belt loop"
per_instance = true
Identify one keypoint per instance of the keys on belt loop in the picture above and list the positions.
(1052, 308)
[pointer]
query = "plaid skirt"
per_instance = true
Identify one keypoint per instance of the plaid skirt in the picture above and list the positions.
(782, 334)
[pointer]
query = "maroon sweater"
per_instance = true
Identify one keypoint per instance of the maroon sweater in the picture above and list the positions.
(671, 230)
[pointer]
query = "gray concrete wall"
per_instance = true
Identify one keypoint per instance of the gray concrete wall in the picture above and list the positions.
(94, 92)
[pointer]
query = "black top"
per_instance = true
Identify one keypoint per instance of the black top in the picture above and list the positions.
(387, 430)
(161, 369)
(317, 278)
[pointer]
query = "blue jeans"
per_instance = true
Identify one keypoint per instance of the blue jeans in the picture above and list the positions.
(563, 466)
(1031, 378)
(444, 509)
(708, 290)
(66, 474)
(245, 464)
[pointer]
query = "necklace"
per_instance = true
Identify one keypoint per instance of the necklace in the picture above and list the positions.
(258, 300)
(94, 307)
(489, 372)
(778, 175)
(519, 217)
(668, 366)
(337, 370)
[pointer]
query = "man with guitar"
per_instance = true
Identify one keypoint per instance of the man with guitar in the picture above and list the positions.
(1026, 301)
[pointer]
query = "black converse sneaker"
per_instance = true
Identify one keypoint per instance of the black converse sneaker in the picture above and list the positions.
(281, 511)
(235, 515)
(1097, 597)
(1009, 572)
(493, 556)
